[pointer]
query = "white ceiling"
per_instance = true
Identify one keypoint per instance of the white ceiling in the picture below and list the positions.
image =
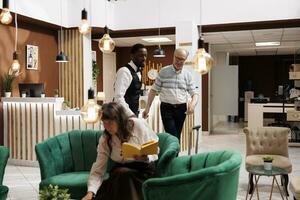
(238, 42)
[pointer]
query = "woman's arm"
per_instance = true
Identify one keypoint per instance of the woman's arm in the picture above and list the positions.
(99, 167)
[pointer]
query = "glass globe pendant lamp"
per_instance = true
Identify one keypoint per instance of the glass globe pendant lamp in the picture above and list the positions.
(84, 27)
(202, 61)
(90, 111)
(5, 16)
(106, 44)
(15, 66)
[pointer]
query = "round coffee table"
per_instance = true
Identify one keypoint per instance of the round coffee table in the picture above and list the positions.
(259, 171)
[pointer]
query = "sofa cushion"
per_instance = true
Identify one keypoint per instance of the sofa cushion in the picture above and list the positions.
(295, 187)
(279, 161)
(74, 181)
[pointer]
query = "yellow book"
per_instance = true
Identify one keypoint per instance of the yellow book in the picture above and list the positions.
(130, 150)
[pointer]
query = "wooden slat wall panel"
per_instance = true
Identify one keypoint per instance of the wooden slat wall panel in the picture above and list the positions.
(27, 124)
(71, 73)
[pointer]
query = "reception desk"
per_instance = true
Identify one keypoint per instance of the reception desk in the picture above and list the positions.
(29, 121)
(256, 112)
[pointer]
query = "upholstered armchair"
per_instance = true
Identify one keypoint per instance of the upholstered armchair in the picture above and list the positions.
(268, 141)
(4, 154)
(213, 175)
(65, 160)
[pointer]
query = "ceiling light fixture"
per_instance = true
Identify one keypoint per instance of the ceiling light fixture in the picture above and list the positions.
(202, 61)
(5, 16)
(159, 52)
(61, 57)
(106, 44)
(157, 39)
(265, 44)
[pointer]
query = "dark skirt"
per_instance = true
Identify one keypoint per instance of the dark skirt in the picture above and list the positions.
(125, 181)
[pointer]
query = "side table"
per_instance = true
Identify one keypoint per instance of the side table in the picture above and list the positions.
(259, 171)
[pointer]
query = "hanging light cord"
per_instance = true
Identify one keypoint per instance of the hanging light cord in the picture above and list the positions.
(200, 26)
(61, 33)
(16, 24)
(158, 22)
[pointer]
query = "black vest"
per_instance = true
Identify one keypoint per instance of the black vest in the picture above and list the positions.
(133, 92)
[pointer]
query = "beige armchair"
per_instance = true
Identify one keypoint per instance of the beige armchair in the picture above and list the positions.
(268, 141)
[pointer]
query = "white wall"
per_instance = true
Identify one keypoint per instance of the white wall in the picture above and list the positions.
(224, 89)
(109, 75)
(134, 14)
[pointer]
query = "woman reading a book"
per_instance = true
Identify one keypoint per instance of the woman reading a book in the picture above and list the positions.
(127, 176)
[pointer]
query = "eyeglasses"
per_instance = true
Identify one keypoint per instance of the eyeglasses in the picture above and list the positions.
(180, 59)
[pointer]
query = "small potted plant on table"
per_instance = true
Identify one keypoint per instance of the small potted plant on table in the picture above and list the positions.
(8, 80)
(53, 192)
(268, 162)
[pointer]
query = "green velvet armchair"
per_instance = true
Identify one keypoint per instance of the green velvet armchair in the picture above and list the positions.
(205, 176)
(4, 154)
(65, 160)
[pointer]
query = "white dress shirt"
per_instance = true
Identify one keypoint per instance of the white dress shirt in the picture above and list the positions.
(122, 83)
(141, 134)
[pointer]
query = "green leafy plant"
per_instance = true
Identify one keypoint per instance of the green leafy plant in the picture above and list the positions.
(95, 70)
(8, 80)
(67, 103)
(268, 158)
(54, 193)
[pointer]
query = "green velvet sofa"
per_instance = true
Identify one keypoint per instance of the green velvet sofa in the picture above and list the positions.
(4, 154)
(66, 159)
(205, 176)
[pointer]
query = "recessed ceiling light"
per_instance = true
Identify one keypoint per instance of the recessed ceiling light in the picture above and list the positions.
(157, 39)
(263, 44)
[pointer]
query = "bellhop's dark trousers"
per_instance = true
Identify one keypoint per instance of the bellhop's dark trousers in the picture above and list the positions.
(173, 116)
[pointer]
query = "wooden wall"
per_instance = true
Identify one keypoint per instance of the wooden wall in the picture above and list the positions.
(47, 72)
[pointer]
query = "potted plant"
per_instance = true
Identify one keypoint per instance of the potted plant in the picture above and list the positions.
(53, 192)
(23, 93)
(95, 73)
(8, 80)
(66, 105)
(268, 162)
(56, 93)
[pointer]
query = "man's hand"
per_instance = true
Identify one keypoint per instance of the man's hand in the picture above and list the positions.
(145, 113)
(88, 196)
(190, 108)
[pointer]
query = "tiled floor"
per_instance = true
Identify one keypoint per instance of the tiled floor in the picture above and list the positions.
(23, 181)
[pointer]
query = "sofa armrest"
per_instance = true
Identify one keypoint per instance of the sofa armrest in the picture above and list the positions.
(47, 166)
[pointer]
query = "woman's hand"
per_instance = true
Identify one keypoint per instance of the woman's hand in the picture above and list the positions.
(141, 158)
(88, 196)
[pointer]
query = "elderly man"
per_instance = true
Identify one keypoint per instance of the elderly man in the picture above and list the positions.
(174, 83)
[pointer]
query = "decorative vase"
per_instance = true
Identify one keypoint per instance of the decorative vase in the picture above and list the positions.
(268, 165)
(23, 95)
(7, 94)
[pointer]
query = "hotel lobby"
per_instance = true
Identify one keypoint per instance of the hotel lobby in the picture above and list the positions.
(53, 53)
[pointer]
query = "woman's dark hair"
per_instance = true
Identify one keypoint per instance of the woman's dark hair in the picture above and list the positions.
(115, 112)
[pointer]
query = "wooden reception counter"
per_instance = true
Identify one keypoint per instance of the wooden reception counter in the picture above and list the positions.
(28, 121)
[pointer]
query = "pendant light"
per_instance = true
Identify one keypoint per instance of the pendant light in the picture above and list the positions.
(90, 111)
(5, 16)
(106, 44)
(15, 66)
(159, 52)
(61, 57)
(84, 26)
(202, 61)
